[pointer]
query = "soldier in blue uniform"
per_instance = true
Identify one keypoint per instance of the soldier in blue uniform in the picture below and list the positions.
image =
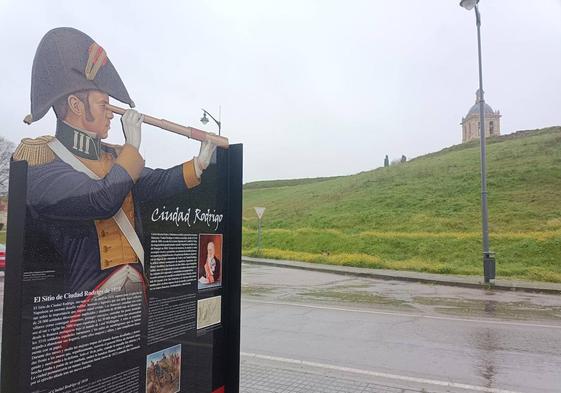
(83, 194)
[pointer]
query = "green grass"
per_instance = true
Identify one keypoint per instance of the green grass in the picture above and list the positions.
(284, 183)
(423, 215)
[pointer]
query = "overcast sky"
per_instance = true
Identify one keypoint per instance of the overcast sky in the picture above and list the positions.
(311, 88)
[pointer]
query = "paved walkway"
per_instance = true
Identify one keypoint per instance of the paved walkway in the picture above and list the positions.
(443, 279)
(270, 378)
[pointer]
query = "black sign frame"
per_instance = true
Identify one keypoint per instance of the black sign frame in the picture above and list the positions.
(12, 337)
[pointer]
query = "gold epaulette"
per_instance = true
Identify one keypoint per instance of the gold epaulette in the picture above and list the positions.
(35, 151)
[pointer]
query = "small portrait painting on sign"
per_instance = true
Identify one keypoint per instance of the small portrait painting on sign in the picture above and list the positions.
(210, 260)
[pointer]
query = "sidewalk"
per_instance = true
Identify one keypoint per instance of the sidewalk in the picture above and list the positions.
(262, 377)
(441, 279)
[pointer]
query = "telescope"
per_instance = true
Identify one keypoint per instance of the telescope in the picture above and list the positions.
(189, 132)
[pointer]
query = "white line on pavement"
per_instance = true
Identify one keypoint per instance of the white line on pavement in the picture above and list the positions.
(448, 384)
(396, 314)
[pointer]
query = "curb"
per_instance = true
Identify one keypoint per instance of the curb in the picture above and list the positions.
(426, 278)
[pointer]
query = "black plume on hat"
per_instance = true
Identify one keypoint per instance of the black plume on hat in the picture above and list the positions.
(68, 61)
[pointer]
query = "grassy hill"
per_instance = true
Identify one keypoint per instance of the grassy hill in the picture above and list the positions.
(423, 215)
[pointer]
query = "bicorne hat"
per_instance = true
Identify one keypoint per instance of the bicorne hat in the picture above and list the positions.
(68, 61)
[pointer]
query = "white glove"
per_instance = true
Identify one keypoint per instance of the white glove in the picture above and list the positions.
(203, 159)
(131, 121)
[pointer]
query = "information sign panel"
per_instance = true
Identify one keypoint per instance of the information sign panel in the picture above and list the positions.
(171, 325)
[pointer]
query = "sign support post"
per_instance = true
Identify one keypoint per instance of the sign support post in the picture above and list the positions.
(260, 211)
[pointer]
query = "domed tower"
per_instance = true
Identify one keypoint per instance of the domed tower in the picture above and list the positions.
(470, 123)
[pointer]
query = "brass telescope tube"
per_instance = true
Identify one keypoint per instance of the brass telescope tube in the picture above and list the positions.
(189, 132)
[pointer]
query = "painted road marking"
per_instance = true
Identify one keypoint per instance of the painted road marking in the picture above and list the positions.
(406, 315)
(447, 384)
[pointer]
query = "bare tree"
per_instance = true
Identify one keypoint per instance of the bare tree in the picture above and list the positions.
(6, 149)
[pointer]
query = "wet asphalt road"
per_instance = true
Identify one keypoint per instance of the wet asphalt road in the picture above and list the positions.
(425, 338)
(421, 336)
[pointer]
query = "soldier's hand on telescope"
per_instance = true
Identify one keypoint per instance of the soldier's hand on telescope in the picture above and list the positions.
(131, 121)
(202, 161)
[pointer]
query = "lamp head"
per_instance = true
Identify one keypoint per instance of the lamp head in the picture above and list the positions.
(468, 4)
(204, 119)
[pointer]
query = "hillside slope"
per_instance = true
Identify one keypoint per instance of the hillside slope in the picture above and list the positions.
(424, 215)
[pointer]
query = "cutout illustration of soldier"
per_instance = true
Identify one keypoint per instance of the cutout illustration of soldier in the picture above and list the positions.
(83, 195)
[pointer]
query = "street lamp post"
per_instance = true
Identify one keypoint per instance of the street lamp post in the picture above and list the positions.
(488, 257)
(204, 119)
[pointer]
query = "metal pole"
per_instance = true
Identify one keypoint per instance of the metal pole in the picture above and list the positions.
(259, 238)
(484, 210)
